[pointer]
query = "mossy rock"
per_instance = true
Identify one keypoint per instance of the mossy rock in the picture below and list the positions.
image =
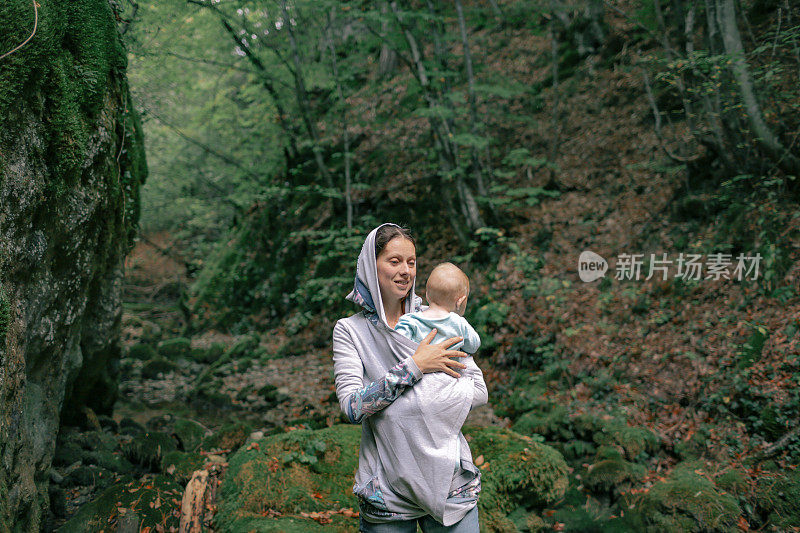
(291, 472)
(685, 501)
(156, 502)
(181, 465)
(610, 473)
(733, 481)
(157, 366)
(89, 476)
(175, 348)
(633, 440)
(520, 471)
(108, 460)
(148, 449)
(95, 440)
(780, 498)
(228, 437)
(189, 433)
(142, 351)
(67, 453)
(129, 426)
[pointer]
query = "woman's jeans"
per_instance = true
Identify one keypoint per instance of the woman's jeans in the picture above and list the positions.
(468, 524)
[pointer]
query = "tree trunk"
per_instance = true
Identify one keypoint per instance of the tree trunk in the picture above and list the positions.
(731, 39)
(345, 134)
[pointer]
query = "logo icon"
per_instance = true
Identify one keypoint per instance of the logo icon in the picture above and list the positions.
(591, 266)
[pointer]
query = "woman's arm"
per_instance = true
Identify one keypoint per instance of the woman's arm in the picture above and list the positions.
(355, 399)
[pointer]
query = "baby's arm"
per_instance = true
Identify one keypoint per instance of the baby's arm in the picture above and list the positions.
(480, 395)
(406, 328)
(472, 341)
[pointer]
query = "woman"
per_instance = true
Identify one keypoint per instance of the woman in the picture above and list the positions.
(414, 463)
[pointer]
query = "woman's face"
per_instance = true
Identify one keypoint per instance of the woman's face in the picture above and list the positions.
(397, 268)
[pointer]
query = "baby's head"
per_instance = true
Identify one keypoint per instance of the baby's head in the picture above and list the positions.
(448, 288)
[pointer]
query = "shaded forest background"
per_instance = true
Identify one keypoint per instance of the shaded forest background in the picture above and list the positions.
(510, 136)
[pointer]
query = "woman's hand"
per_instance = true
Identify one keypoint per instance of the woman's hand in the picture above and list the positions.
(436, 357)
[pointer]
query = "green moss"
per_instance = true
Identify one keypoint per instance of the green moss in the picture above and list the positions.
(154, 501)
(142, 351)
(733, 481)
(148, 449)
(779, 497)
(687, 501)
(610, 473)
(189, 432)
(520, 471)
(181, 465)
(548, 420)
(634, 440)
(228, 437)
(259, 479)
(175, 348)
(157, 366)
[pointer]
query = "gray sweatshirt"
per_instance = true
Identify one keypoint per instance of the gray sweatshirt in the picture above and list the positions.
(408, 449)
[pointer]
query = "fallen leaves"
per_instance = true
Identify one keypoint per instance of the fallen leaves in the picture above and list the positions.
(324, 517)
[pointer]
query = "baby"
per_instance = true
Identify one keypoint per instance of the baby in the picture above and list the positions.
(447, 291)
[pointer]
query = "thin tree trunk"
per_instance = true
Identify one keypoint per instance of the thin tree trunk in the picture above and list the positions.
(345, 134)
(478, 169)
(442, 133)
(302, 100)
(387, 61)
(732, 41)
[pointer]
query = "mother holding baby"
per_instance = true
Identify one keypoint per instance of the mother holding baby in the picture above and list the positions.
(414, 463)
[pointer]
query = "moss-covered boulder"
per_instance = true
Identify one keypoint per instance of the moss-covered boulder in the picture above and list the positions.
(156, 502)
(293, 472)
(610, 473)
(179, 347)
(148, 449)
(515, 471)
(779, 496)
(159, 365)
(306, 471)
(142, 351)
(181, 465)
(189, 433)
(686, 501)
(228, 437)
(634, 440)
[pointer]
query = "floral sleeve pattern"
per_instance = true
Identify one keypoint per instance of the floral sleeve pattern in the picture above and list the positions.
(382, 392)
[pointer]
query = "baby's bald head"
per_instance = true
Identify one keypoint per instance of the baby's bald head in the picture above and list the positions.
(446, 284)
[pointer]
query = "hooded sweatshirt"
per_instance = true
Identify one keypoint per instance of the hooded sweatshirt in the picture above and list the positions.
(408, 449)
